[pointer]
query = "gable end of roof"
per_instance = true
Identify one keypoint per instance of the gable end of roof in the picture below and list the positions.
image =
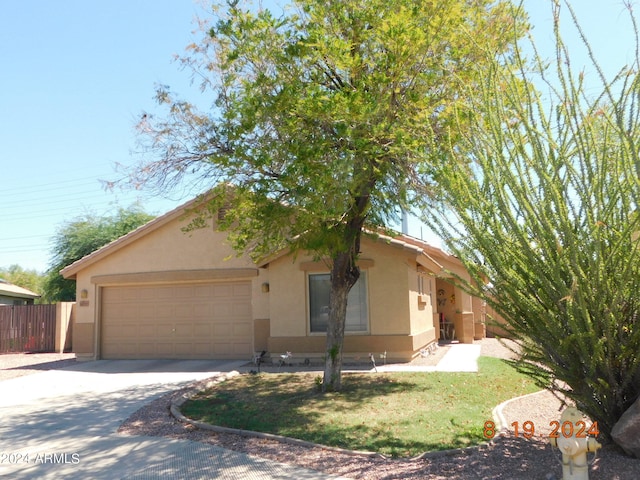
(70, 271)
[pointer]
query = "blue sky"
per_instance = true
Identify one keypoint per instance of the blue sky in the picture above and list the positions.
(77, 74)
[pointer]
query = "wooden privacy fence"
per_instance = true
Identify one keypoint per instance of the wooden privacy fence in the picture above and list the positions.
(27, 328)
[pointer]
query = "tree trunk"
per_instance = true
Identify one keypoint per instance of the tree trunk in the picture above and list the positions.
(344, 274)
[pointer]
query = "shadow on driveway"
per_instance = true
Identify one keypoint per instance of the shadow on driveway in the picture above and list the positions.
(154, 366)
(74, 437)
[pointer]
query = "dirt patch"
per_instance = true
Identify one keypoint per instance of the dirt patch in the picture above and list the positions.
(13, 365)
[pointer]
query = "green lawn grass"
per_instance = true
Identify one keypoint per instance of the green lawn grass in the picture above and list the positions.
(397, 414)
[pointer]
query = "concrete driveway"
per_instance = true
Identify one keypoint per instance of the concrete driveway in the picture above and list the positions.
(62, 424)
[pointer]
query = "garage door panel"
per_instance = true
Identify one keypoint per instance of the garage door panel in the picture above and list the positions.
(241, 310)
(223, 349)
(164, 330)
(242, 347)
(241, 330)
(144, 295)
(146, 349)
(109, 352)
(202, 330)
(144, 311)
(241, 290)
(183, 349)
(163, 312)
(202, 311)
(184, 310)
(203, 291)
(230, 349)
(181, 293)
(202, 349)
(177, 321)
(121, 331)
(222, 310)
(146, 330)
(222, 330)
(116, 311)
(125, 348)
(221, 291)
(161, 349)
(183, 330)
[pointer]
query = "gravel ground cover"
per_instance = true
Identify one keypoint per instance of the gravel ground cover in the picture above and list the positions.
(507, 457)
(13, 365)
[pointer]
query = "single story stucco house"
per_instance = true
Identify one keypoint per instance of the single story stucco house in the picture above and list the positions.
(158, 292)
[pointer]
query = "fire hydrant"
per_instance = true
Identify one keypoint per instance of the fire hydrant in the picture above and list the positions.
(573, 444)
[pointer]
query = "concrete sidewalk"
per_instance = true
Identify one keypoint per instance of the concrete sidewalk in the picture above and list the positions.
(461, 357)
(63, 424)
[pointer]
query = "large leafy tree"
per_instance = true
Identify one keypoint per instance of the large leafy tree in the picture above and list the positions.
(80, 237)
(323, 119)
(541, 206)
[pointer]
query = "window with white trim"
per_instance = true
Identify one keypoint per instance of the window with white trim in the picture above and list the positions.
(357, 312)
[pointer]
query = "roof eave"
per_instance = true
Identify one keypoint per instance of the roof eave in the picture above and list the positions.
(19, 293)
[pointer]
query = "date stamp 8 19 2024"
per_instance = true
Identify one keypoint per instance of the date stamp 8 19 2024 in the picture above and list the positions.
(527, 429)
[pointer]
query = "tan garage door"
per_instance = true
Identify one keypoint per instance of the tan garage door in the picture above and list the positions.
(177, 321)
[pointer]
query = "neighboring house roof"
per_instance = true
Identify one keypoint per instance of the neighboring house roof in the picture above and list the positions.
(427, 255)
(10, 290)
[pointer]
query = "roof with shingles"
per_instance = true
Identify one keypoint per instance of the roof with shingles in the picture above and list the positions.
(11, 290)
(428, 255)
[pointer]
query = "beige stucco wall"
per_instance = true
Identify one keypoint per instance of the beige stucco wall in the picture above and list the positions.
(165, 249)
(494, 322)
(169, 248)
(287, 297)
(387, 292)
(420, 303)
(390, 312)
(82, 342)
(65, 317)
(401, 318)
(398, 322)
(399, 348)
